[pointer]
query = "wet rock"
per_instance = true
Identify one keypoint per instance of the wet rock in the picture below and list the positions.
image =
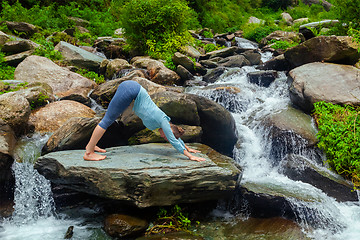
(15, 111)
(54, 115)
(120, 225)
(25, 29)
(292, 119)
(278, 63)
(62, 81)
(234, 61)
(79, 57)
(252, 56)
(333, 83)
(335, 49)
(155, 176)
(299, 168)
(73, 134)
(3, 38)
(115, 66)
(13, 47)
(186, 62)
(262, 78)
(214, 74)
(172, 236)
(193, 83)
(7, 145)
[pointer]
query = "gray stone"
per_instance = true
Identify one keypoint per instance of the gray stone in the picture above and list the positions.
(13, 47)
(120, 225)
(115, 66)
(214, 74)
(208, 63)
(186, 62)
(184, 73)
(190, 51)
(255, 20)
(333, 83)
(22, 27)
(16, 59)
(234, 61)
(278, 63)
(225, 52)
(336, 49)
(253, 57)
(3, 38)
(324, 23)
(7, 145)
(287, 18)
(262, 78)
(79, 57)
(144, 175)
(301, 169)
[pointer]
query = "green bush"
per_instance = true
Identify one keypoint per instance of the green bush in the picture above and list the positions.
(46, 49)
(6, 72)
(348, 11)
(157, 27)
(283, 44)
(276, 4)
(91, 75)
(210, 47)
(255, 32)
(339, 137)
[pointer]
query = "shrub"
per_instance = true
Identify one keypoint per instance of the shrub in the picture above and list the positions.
(339, 137)
(283, 44)
(46, 49)
(276, 4)
(210, 47)
(348, 11)
(255, 32)
(6, 72)
(157, 27)
(91, 75)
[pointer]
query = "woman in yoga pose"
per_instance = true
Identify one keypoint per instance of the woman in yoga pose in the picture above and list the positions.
(150, 114)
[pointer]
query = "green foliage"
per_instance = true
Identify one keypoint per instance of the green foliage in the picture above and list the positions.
(46, 49)
(8, 87)
(356, 35)
(91, 75)
(208, 34)
(210, 47)
(157, 27)
(6, 72)
(339, 137)
(283, 44)
(255, 32)
(41, 100)
(276, 4)
(169, 63)
(348, 11)
(170, 221)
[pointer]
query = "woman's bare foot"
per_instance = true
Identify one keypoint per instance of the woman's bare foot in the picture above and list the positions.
(93, 157)
(193, 150)
(97, 149)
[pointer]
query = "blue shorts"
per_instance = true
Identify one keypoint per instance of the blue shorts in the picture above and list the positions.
(125, 94)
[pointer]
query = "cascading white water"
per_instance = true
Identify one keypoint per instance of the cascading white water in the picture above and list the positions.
(322, 217)
(34, 215)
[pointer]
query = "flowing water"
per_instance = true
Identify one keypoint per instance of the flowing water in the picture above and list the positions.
(322, 217)
(35, 216)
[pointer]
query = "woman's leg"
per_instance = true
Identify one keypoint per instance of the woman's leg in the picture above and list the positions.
(90, 154)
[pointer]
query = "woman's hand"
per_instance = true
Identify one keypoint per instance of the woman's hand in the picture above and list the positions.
(198, 159)
(193, 150)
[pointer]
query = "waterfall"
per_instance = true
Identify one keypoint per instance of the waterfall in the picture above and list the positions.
(320, 216)
(34, 215)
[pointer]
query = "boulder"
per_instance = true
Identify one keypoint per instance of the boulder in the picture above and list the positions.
(162, 75)
(301, 20)
(217, 123)
(184, 73)
(335, 49)
(324, 23)
(314, 82)
(120, 226)
(79, 57)
(23, 28)
(252, 56)
(104, 92)
(141, 62)
(54, 115)
(299, 168)
(214, 74)
(16, 59)
(262, 78)
(178, 106)
(7, 145)
(255, 20)
(192, 134)
(234, 61)
(73, 134)
(282, 36)
(3, 38)
(278, 63)
(287, 18)
(193, 83)
(190, 51)
(62, 81)
(225, 52)
(115, 66)
(186, 62)
(208, 63)
(38, 94)
(15, 111)
(292, 119)
(13, 47)
(144, 175)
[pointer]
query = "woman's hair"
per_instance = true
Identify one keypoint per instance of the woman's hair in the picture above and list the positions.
(178, 131)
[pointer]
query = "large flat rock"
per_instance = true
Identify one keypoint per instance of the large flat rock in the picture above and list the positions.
(144, 175)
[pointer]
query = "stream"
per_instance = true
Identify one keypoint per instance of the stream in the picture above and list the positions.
(35, 216)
